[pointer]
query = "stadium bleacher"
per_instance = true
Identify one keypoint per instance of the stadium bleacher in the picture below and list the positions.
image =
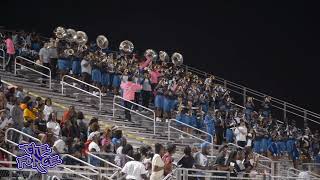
(142, 130)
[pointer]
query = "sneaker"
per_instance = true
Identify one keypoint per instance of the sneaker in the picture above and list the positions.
(74, 84)
(181, 136)
(167, 120)
(93, 92)
(103, 94)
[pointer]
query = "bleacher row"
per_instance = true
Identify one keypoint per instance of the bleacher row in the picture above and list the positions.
(138, 132)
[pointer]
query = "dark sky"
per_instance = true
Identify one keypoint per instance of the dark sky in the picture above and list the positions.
(270, 46)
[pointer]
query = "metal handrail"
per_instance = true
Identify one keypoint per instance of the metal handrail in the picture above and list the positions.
(20, 132)
(82, 82)
(31, 69)
(119, 105)
(244, 91)
(8, 152)
(191, 135)
(108, 154)
(3, 57)
(105, 161)
(79, 160)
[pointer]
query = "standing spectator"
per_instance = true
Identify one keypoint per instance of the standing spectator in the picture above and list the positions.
(68, 115)
(249, 108)
(241, 133)
(82, 126)
(157, 163)
(146, 90)
(122, 158)
(168, 159)
(219, 126)
(135, 169)
(3, 100)
(44, 57)
(86, 72)
(16, 115)
(48, 109)
(53, 59)
(10, 52)
(129, 88)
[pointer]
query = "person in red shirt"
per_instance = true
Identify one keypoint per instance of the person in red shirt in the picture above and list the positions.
(168, 159)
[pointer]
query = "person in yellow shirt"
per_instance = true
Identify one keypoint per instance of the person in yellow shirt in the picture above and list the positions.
(29, 114)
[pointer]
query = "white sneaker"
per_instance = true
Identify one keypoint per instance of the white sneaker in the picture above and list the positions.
(93, 92)
(167, 120)
(158, 119)
(103, 94)
(181, 136)
(74, 84)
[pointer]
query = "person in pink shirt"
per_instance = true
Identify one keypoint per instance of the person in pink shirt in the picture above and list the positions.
(10, 51)
(154, 77)
(129, 89)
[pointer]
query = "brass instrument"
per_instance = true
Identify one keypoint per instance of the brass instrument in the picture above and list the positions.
(102, 42)
(163, 56)
(177, 59)
(60, 32)
(80, 37)
(126, 47)
(151, 54)
(69, 52)
(70, 35)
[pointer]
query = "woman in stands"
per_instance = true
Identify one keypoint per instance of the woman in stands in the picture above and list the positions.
(168, 159)
(157, 163)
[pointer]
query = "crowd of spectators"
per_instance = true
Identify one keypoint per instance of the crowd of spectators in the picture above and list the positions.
(198, 102)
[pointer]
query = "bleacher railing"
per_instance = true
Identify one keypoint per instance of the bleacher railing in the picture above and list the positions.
(184, 173)
(295, 173)
(170, 126)
(32, 69)
(20, 133)
(115, 98)
(281, 108)
(63, 83)
(3, 58)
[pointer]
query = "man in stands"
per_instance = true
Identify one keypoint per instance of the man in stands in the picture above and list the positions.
(135, 169)
(44, 57)
(129, 89)
(10, 51)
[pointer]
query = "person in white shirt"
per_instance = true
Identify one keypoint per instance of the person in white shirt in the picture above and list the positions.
(53, 125)
(157, 163)
(93, 146)
(59, 146)
(86, 72)
(48, 109)
(241, 133)
(135, 169)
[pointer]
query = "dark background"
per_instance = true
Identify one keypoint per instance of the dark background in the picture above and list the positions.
(269, 46)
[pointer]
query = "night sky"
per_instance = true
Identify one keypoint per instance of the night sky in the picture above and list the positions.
(270, 46)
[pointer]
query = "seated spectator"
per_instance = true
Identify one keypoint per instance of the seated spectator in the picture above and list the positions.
(28, 112)
(68, 115)
(53, 126)
(70, 130)
(201, 158)
(157, 163)
(106, 141)
(93, 125)
(187, 161)
(168, 159)
(135, 169)
(147, 155)
(232, 163)
(94, 138)
(28, 130)
(60, 146)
